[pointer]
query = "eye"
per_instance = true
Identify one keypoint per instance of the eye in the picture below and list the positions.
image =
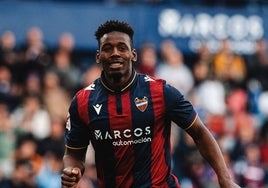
(122, 48)
(106, 48)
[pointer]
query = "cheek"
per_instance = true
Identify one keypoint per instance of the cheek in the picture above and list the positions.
(100, 58)
(103, 55)
(130, 58)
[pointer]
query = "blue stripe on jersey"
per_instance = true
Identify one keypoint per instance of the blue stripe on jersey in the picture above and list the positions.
(104, 153)
(143, 120)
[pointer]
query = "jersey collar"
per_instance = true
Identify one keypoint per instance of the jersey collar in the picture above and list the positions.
(122, 89)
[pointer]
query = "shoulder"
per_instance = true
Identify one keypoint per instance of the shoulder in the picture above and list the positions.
(88, 89)
(82, 96)
(144, 78)
(157, 83)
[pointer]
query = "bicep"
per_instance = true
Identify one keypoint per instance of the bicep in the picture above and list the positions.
(198, 130)
(202, 137)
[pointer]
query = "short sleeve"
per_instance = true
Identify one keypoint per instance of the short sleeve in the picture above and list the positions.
(179, 110)
(77, 132)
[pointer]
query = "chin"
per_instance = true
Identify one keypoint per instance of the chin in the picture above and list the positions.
(116, 72)
(116, 75)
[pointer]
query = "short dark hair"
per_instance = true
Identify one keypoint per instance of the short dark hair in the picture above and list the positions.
(114, 25)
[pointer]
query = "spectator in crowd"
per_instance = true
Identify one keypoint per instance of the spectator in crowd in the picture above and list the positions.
(91, 74)
(9, 56)
(31, 117)
(173, 69)
(202, 68)
(34, 48)
(148, 59)
(243, 125)
(54, 95)
(249, 170)
(66, 42)
(225, 126)
(27, 150)
(258, 64)
(215, 103)
(67, 72)
(7, 140)
(54, 142)
(21, 177)
(51, 149)
(262, 103)
(211, 108)
(229, 67)
(264, 148)
(6, 85)
(245, 135)
(49, 174)
(8, 49)
(34, 53)
(183, 153)
(65, 62)
(33, 84)
(10, 60)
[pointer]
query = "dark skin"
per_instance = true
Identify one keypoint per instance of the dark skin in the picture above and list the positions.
(116, 56)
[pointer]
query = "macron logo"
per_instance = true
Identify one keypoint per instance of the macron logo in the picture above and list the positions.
(97, 108)
(90, 87)
(148, 79)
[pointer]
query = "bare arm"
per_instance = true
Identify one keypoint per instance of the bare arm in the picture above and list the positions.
(73, 161)
(210, 150)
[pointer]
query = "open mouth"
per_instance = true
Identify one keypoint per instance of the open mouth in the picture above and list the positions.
(115, 65)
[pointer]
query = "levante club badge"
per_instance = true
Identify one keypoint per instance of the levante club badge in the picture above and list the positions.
(141, 103)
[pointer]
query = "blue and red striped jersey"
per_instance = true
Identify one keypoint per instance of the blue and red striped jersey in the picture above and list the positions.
(129, 130)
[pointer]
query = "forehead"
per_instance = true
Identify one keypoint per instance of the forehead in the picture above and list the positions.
(115, 37)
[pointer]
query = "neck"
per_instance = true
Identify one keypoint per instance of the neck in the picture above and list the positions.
(118, 82)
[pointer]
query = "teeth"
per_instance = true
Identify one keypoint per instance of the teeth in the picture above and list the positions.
(113, 65)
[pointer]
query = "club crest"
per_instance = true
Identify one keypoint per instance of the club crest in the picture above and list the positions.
(141, 103)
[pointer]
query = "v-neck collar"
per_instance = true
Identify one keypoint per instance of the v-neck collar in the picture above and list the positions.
(123, 88)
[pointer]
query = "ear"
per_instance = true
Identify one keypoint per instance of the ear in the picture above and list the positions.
(98, 57)
(134, 55)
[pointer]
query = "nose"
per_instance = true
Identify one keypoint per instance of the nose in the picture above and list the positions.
(115, 52)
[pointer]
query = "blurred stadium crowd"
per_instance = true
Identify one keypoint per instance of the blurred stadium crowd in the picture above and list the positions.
(227, 3)
(229, 91)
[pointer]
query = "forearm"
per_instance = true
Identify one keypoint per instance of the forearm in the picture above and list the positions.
(70, 161)
(211, 152)
(74, 158)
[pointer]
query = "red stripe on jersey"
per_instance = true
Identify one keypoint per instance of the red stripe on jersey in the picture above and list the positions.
(82, 102)
(159, 169)
(121, 126)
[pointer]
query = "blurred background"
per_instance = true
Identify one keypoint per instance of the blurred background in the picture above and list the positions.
(214, 51)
